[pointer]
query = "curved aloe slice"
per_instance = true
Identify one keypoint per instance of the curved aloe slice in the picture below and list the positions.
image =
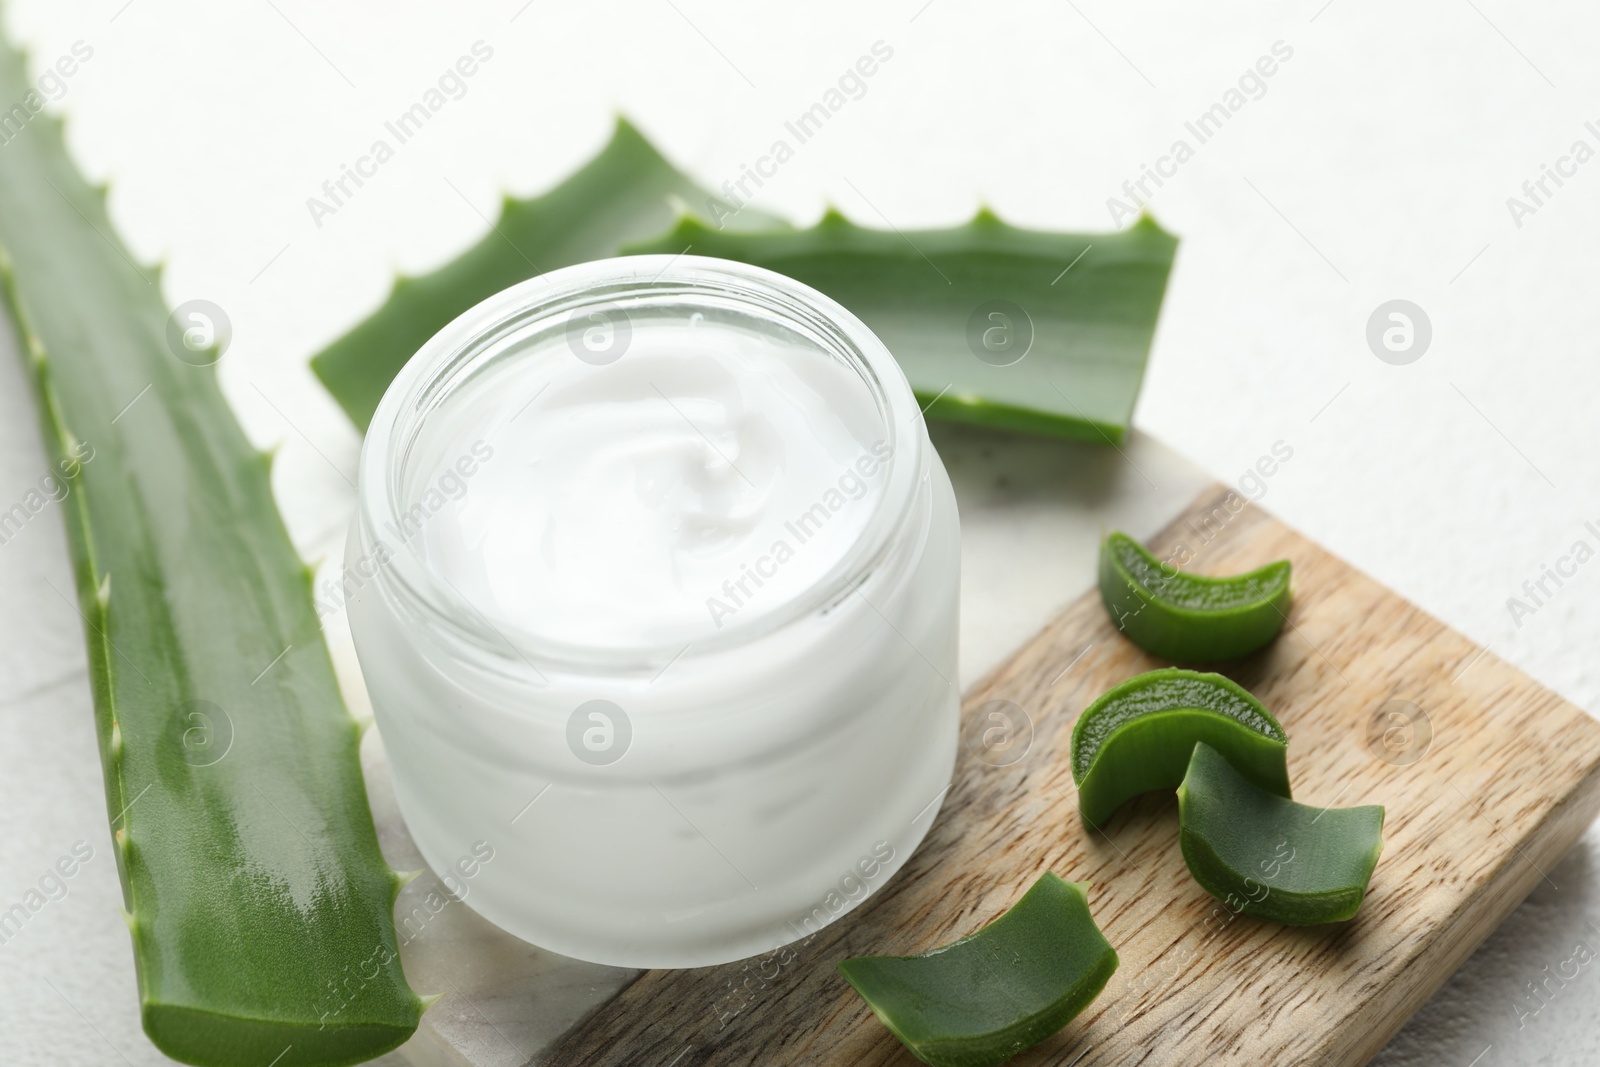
(1189, 617)
(260, 908)
(987, 997)
(626, 193)
(1044, 332)
(1138, 736)
(1269, 857)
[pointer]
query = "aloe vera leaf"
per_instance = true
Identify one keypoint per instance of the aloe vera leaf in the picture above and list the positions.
(1137, 737)
(1269, 857)
(260, 908)
(992, 994)
(1190, 618)
(626, 193)
(1075, 311)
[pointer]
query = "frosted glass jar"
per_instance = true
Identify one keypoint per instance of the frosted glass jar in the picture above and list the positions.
(548, 491)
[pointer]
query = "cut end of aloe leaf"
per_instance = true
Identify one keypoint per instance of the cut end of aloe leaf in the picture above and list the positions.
(1137, 737)
(1186, 617)
(983, 999)
(1269, 857)
(210, 1039)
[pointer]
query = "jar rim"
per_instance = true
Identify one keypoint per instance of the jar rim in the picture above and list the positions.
(447, 359)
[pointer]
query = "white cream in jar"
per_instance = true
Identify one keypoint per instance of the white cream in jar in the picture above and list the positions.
(655, 583)
(664, 497)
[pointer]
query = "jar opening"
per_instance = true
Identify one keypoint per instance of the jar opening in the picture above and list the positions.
(622, 461)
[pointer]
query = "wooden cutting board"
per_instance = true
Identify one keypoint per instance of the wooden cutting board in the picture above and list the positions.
(1488, 779)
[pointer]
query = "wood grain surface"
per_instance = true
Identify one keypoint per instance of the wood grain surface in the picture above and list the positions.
(1488, 779)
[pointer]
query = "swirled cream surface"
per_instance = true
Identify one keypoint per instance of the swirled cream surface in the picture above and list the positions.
(700, 480)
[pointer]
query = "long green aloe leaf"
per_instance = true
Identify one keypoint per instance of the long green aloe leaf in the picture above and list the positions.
(260, 907)
(1043, 332)
(626, 193)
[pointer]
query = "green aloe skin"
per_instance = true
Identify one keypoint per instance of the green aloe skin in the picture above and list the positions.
(1138, 736)
(996, 325)
(626, 193)
(1190, 618)
(260, 908)
(1041, 332)
(1269, 857)
(983, 999)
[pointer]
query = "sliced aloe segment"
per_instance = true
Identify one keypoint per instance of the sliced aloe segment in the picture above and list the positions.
(1269, 857)
(1138, 736)
(1189, 617)
(1026, 330)
(626, 193)
(1035, 331)
(260, 908)
(990, 995)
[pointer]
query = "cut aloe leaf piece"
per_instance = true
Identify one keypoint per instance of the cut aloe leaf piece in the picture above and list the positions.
(260, 908)
(987, 997)
(1138, 736)
(1021, 329)
(1190, 617)
(1269, 857)
(626, 193)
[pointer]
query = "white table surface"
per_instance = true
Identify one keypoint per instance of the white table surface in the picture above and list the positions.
(1376, 165)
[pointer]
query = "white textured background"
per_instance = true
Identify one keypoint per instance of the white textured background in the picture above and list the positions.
(1376, 166)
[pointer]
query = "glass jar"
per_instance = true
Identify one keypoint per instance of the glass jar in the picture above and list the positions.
(597, 769)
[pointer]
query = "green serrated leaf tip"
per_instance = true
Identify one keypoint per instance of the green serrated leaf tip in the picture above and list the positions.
(986, 217)
(624, 130)
(1146, 223)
